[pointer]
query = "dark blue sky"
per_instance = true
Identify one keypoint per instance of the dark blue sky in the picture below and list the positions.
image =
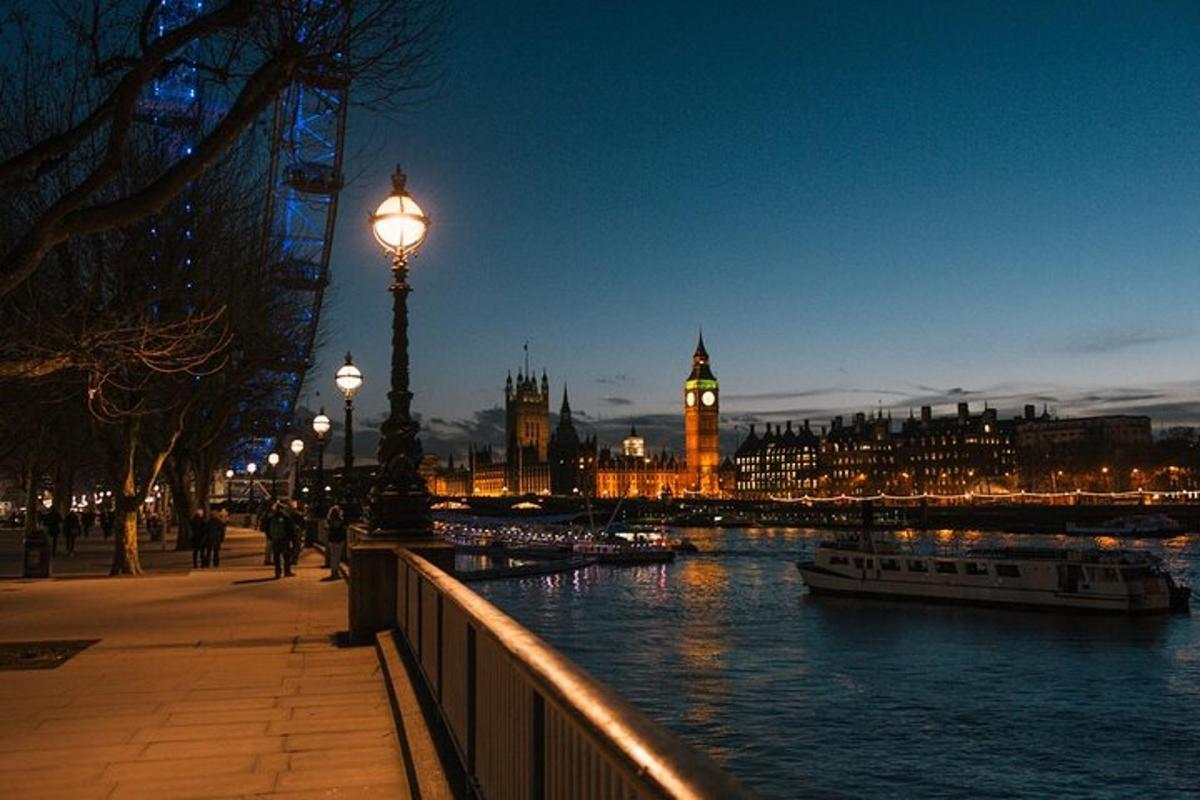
(863, 204)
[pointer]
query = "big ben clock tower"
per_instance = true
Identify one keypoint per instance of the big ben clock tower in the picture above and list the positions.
(700, 410)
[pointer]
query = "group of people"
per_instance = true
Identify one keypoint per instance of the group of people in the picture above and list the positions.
(282, 526)
(208, 534)
(78, 522)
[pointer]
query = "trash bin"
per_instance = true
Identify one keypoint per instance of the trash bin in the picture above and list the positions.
(37, 556)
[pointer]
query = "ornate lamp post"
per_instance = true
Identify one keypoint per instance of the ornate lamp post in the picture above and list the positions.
(349, 379)
(273, 461)
(400, 500)
(321, 425)
(228, 488)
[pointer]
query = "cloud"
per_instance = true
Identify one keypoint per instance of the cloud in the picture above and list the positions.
(613, 380)
(618, 401)
(1104, 342)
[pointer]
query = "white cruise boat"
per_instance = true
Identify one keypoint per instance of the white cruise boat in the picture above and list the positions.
(1075, 579)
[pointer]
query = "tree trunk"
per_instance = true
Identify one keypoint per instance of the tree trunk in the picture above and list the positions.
(129, 500)
(177, 478)
(32, 501)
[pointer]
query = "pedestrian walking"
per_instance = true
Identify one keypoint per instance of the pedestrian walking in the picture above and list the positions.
(218, 521)
(53, 522)
(88, 518)
(336, 526)
(198, 527)
(71, 529)
(106, 522)
(280, 530)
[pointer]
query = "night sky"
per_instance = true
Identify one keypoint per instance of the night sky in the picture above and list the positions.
(865, 205)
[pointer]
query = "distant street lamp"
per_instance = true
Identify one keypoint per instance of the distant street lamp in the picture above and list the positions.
(228, 485)
(321, 426)
(273, 461)
(400, 499)
(349, 379)
(297, 448)
(251, 468)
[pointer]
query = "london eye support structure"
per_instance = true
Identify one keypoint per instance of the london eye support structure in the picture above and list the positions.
(304, 179)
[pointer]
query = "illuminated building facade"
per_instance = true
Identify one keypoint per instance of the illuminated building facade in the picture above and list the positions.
(780, 463)
(620, 475)
(950, 455)
(859, 458)
(701, 411)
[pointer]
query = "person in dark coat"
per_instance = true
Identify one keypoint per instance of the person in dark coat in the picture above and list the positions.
(71, 528)
(52, 521)
(88, 518)
(198, 527)
(218, 521)
(280, 531)
(106, 522)
(336, 526)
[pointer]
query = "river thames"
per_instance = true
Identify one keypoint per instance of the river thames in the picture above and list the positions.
(823, 697)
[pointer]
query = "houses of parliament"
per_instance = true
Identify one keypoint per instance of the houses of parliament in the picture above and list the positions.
(538, 460)
(973, 453)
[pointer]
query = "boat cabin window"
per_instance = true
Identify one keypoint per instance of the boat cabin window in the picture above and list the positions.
(918, 566)
(946, 567)
(858, 563)
(838, 560)
(1008, 571)
(1108, 574)
(975, 568)
(889, 564)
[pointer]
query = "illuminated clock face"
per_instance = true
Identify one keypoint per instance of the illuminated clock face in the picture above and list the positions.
(690, 399)
(708, 398)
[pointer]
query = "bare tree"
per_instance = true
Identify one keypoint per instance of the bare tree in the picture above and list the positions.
(247, 50)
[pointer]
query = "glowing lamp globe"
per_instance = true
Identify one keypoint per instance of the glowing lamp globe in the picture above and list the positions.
(252, 468)
(273, 459)
(321, 424)
(228, 473)
(348, 378)
(399, 224)
(297, 446)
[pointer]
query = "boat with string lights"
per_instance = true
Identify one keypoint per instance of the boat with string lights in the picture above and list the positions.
(1115, 581)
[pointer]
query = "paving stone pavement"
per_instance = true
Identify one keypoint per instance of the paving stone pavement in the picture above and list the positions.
(205, 683)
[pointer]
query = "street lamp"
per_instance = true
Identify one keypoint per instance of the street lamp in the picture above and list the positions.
(400, 499)
(297, 448)
(251, 468)
(273, 460)
(349, 379)
(228, 485)
(321, 426)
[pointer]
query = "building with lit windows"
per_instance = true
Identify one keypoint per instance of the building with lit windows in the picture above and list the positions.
(780, 463)
(952, 455)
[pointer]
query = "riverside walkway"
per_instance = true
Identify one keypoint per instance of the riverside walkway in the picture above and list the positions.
(203, 683)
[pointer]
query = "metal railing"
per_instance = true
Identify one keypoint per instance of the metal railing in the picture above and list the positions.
(525, 721)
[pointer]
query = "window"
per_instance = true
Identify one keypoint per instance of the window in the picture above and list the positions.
(918, 566)
(1007, 571)
(838, 560)
(890, 564)
(945, 567)
(975, 568)
(858, 563)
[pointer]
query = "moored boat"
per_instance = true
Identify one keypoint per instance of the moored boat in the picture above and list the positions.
(620, 551)
(1074, 579)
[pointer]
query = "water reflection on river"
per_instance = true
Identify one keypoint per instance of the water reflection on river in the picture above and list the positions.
(806, 696)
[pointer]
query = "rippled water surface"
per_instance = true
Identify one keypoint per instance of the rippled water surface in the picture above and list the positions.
(823, 697)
